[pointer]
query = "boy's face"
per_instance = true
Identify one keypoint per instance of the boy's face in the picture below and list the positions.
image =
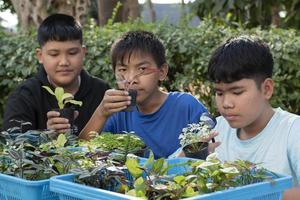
(141, 73)
(242, 103)
(62, 61)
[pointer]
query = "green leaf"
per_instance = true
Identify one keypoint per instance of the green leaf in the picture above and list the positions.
(67, 96)
(14, 154)
(150, 160)
(179, 179)
(59, 92)
(158, 166)
(189, 192)
(133, 167)
(61, 140)
(49, 90)
(75, 102)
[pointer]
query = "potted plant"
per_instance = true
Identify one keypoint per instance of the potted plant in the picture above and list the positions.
(193, 138)
(29, 159)
(64, 99)
(117, 145)
(126, 85)
(155, 179)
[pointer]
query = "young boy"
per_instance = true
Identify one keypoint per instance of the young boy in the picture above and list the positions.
(138, 58)
(61, 53)
(249, 128)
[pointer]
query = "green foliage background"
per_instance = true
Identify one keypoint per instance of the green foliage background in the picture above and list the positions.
(188, 51)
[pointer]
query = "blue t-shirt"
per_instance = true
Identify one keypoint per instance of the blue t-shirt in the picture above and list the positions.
(160, 130)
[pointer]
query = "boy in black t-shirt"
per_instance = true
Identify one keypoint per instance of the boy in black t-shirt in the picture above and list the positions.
(61, 54)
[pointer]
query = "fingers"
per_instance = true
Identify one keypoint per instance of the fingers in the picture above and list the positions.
(210, 137)
(76, 114)
(212, 147)
(181, 154)
(57, 123)
(114, 101)
(52, 114)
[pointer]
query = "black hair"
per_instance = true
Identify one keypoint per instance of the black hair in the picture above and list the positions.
(133, 41)
(241, 57)
(59, 27)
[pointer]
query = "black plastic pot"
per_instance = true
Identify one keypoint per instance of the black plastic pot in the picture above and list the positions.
(67, 113)
(201, 153)
(144, 152)
(133, 94)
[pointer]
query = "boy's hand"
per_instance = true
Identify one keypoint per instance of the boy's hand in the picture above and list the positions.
(57, 123)
(212, 146)
(113, 101)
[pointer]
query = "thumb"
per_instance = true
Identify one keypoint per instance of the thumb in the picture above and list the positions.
(212, 147)
(76, 113)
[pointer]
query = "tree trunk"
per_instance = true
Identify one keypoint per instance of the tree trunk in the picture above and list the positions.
(275, 16)
(33, 12)
(105, 10)
(152, 13)
(129, 9)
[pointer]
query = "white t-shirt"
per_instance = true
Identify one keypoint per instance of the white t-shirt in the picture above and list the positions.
(277, 146)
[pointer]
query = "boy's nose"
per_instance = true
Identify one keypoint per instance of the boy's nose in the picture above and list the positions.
(64, 61)
(131, 76)
(227, 102)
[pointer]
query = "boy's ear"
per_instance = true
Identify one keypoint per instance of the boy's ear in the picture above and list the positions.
(84, 50)
(268, 88)
(163, 71)
(38, 53)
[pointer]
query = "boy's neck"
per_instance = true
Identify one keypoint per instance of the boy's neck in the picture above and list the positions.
(257, 126)
(72, 88)
(153, 103)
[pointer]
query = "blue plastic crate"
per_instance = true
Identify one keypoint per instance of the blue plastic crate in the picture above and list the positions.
(65, 187)
(14, 188)
(257, 191)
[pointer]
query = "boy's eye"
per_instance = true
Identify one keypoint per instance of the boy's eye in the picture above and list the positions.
(141, 69)
(121, 69)
(53, 54)
(219, 93)
(73, 52)
(238, 92)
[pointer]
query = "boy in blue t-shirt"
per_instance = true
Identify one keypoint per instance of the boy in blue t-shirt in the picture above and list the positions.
(138, 61)
(249, 128)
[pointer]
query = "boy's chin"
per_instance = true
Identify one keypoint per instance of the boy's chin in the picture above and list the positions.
(235, 125)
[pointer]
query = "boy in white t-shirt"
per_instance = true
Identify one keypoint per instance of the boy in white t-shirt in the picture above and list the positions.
(249, 128)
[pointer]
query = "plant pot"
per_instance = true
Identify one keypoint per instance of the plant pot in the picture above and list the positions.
(133, 94)
(144, 152)
(67, 113)
(200, 153)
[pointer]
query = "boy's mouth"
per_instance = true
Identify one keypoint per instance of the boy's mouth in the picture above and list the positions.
(64, 72)
(230, 117)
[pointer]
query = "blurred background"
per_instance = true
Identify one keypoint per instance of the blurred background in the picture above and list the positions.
(189, 29)
(22, 14)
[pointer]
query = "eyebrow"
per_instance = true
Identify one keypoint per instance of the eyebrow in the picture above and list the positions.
(231, 88)
(137, 65)
(57, 50)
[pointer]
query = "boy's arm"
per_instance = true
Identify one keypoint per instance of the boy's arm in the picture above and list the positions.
(19, 108)
(96, 123)
(294, 159)
(291, 194)
(113, 101)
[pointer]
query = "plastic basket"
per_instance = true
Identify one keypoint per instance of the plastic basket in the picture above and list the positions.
(14, 188)
(65, 187)
(257, 191)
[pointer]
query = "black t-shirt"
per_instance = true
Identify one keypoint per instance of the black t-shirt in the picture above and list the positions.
(29, 102)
